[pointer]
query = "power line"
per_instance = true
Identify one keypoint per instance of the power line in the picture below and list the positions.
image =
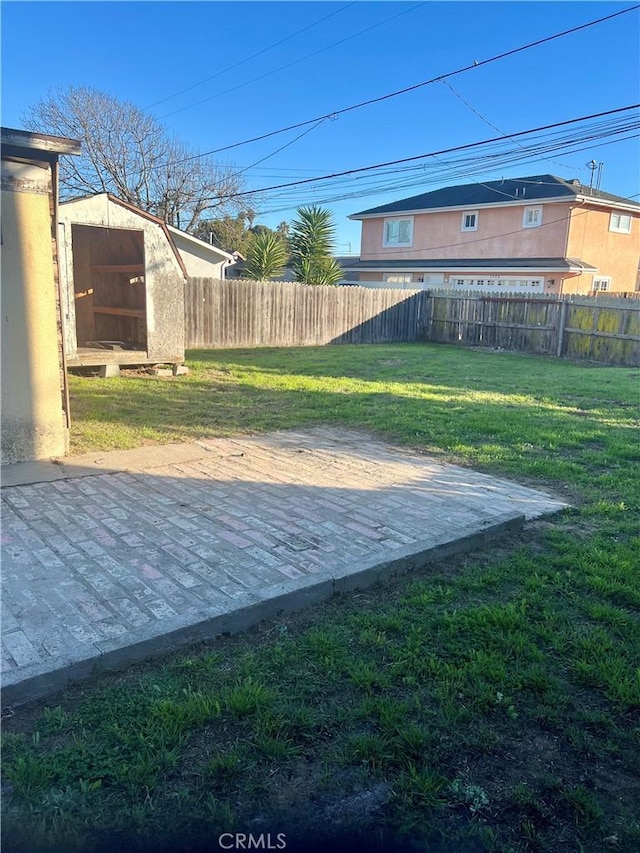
(436, 153)
(278, 150)
(464, 169)
(412, 8)
(549, 142)
(438, 79)
(492, 160)
(506, 158)
(489, 123)
(249, 58)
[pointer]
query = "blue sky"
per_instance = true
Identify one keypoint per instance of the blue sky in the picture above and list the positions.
(148, 51)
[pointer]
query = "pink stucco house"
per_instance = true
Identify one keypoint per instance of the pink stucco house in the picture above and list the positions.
(538, 234)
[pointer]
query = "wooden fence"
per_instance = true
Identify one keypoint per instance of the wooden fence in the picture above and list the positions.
(283, 314)
(252, 314)
(575, 327)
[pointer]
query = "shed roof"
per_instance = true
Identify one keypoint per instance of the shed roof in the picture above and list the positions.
(507, 190)
(140, 212)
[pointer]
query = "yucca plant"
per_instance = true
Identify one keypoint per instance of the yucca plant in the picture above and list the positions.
(267, 256)
(312, 240)
(325, 271)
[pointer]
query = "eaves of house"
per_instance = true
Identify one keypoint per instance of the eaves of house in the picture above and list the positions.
(572, 265)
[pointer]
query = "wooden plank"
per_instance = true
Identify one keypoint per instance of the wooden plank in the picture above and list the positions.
(119, 312)
(138, 269)
(536, 328)
(592, 334)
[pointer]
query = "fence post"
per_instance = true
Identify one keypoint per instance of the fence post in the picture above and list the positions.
(562, 322)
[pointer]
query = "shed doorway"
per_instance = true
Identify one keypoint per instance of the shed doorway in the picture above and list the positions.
(109, 289)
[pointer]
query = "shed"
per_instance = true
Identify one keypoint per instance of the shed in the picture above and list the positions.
(201, 259)
(124, 282)
(35, 403)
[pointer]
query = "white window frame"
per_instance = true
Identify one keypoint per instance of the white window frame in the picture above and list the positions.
(615, 222)
(525, 216)
(398, 278)
(385, 242)
(464, 226)
(601, 284)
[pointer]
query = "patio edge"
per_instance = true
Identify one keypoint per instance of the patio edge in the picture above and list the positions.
(284, 598)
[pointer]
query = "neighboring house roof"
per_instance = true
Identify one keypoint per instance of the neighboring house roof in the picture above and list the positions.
(143, 213)
(201, 244)
(559, 264)
(532, 189)
(346, 262)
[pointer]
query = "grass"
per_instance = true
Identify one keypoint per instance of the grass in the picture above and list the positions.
(491, 703)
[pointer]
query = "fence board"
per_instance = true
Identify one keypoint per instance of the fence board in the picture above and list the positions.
(223, 314)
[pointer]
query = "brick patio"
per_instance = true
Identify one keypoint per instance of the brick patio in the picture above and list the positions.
(127, 554)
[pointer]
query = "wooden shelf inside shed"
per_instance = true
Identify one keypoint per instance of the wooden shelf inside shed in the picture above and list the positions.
(134, 269)
(119, 312)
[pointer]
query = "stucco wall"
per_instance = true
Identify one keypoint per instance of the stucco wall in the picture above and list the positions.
(499, 235)
(33, 423)
(614, 254)
(164, 278)
(200, 261)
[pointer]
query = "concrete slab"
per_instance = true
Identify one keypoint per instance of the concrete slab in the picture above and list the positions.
(126, 555)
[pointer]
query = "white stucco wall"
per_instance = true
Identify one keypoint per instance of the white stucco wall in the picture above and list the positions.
(200, 259)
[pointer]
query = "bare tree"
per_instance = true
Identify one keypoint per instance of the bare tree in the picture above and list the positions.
(125, 151)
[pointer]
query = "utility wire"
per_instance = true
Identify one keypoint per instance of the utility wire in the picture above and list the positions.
(495, 127)
(249, 58)
(496, 156)
(435, 153)
(465, 168)
(435, 178)
(438, 79)
(278, 150)
(412, 8)
(287, 200)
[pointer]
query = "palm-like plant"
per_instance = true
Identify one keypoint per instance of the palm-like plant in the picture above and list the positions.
(325, 271)
(312, 238)
(267, 256)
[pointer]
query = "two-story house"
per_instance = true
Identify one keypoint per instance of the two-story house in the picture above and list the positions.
(538, 234)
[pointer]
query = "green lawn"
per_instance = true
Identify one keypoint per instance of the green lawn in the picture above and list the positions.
(490, 703)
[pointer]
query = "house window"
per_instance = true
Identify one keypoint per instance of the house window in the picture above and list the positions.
(532, 217)
(470, 220)
(399, 278)
(398, 232)
(600, 284)
(620, 222)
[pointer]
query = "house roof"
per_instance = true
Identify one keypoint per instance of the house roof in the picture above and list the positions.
(201, 244)
(559, 264)
(143, 213)
(10, 137)
(534, 188)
